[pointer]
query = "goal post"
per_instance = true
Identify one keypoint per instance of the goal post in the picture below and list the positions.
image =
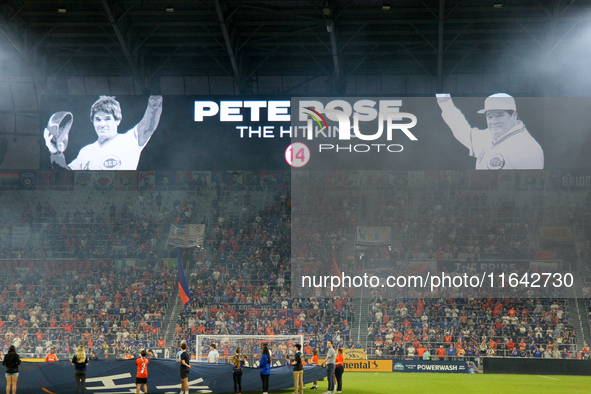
(250, 346)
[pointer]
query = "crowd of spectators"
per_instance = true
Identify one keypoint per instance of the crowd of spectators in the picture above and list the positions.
(436, 224)
(470, 327)
(64, 304)
(91, 225)
(256, 244)
(241, 284)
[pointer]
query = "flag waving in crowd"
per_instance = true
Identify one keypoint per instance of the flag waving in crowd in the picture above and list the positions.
(184, 291)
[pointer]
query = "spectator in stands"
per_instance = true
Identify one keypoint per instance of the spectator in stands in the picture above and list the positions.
(93, 355)
(427, 354)
(213, 356)
(548, 352)
(11, 362)
(451, 351)
(51, 356)
(441, 352)
(80, 361)
(514, 353)
(565, 353)
(265, 367)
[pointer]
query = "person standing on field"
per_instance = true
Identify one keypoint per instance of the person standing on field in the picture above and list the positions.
(298, 370)
(237, 364)
(329, 361)
(213, 356)
(80, 361)
(185, 360)
(314, 362)
(339, 369)
(265, 367)
(141, 378)
(11, 362)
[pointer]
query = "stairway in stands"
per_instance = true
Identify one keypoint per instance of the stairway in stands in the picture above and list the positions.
(585, 327)
(578, 313)
(360, 310)
(172, 313)
(575, 321)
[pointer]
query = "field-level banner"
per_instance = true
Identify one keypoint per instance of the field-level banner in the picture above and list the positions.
(368, 365)
(118, 376)
(434, 366)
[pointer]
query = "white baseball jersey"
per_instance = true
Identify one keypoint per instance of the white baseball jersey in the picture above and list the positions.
(516, 150)
(121, 152)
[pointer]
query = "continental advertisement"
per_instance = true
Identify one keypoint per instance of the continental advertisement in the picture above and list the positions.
(368, 365)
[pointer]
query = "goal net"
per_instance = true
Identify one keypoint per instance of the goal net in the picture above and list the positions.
(250, 346)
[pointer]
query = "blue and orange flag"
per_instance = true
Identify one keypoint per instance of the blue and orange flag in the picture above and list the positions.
(183, 284)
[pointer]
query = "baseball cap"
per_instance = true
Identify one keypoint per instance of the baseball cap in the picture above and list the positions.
(498, 101)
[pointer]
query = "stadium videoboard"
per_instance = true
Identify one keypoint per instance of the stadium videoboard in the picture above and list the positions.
(253, 133)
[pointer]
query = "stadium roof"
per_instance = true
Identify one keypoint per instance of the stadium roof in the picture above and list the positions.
(247, 39)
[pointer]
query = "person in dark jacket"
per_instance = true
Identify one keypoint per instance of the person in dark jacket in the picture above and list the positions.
(80, 361)
(265, 367)
(237, 364)
(298, 370)
(11, 362)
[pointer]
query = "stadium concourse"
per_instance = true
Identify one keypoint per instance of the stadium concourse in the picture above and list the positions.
(95, 269)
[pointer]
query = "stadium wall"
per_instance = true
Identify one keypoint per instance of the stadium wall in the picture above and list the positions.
(533, 366)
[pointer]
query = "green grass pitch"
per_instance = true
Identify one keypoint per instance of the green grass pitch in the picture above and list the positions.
(441, 383)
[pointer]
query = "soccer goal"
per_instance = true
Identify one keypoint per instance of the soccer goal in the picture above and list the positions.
(250, 346)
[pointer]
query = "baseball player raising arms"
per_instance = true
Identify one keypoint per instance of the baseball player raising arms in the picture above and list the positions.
(111, 151)
(504, 145)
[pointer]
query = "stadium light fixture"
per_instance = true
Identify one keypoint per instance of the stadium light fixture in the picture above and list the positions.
(170, 9)
(61, 10)
(386, 6)
(326, 10)
(498, 6)
(329, 25)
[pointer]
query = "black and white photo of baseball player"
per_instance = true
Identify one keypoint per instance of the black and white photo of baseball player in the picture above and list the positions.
(504, 145)
(112, 150)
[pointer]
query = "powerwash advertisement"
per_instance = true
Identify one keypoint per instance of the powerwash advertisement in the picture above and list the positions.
(499, 132)
(439, 366)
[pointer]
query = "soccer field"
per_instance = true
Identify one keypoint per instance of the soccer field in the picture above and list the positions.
(384, 383)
